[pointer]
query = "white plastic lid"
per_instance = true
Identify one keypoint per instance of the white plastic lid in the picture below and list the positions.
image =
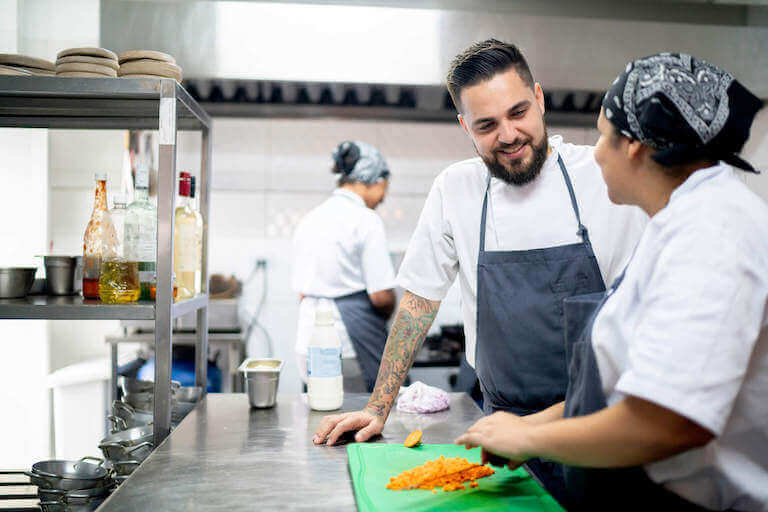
(324, 316)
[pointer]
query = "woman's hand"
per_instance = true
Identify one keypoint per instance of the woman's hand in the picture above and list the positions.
(501, 433)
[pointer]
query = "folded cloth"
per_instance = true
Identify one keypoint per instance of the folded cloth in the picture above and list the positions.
(418, 397)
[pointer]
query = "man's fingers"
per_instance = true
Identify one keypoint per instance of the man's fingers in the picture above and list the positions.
(326, 425)
(368, 432)
(344, 425)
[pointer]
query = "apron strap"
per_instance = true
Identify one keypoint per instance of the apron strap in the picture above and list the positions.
(485, 212)
(582, 229)
(583, 233)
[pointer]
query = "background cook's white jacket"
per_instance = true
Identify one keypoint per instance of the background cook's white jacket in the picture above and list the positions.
(687, 329)
(339, 248)
(536, 215)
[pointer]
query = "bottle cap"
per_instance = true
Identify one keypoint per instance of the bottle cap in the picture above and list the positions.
(324, 316)
(100, 176)
(184, 184)
(118, 199)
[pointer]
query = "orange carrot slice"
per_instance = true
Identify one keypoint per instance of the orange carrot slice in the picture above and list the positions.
(413, 439)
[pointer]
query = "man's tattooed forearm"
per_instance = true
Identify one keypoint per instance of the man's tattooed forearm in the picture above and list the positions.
(409, 329)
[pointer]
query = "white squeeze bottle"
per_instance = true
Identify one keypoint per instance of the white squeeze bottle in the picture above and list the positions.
(325, 385)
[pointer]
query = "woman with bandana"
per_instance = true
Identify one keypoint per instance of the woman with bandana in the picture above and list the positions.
(668, 370)
(341, 258)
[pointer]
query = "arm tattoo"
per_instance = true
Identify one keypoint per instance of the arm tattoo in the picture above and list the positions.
(414, 317)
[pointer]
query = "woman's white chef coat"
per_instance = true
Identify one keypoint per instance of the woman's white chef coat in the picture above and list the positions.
(539, 214)
(686, 329)
(339, 248)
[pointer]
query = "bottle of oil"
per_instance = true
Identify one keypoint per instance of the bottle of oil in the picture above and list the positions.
(198, 236)
(93, 238)
(185, 241)
(119, 279)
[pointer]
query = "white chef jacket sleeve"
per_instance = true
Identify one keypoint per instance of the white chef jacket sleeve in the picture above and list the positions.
(431, 261)
(378, 272)
(699, 321)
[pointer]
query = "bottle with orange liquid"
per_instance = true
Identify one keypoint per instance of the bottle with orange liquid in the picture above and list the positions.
(93, 239)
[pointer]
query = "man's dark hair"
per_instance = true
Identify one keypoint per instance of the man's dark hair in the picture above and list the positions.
(482, 61)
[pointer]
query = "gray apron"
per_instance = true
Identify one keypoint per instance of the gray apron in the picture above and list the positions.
(602, 489)
(520, 343)
(367, 331)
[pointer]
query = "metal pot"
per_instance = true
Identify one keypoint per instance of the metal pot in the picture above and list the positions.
(117, 452)
(144, 401)
(132, 444)
(130, 416)
(15, 282)
(131, 385)
(189, 393)
(124, 467)
(68, 475)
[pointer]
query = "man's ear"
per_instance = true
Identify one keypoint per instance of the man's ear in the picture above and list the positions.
(463, 123)
(539, 93)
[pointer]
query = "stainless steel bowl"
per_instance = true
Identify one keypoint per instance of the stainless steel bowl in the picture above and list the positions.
(15, 282)
(262, 377)
(131, 385)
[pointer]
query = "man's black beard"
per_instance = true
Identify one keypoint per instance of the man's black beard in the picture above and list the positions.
(520, 176)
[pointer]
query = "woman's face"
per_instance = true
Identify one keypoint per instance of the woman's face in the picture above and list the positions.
(375, 194)
(611, 156)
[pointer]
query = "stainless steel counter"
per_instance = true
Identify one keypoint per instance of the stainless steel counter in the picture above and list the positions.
(226, 456)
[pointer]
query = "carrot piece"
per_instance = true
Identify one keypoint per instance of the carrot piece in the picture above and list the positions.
(413, 439)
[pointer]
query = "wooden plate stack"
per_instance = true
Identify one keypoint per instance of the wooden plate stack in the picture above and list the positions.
(87, 63)
(148, 64)
(22, 65)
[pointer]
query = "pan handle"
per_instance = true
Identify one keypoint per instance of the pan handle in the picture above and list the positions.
(88, 457)
(117, 421)
(140, 445)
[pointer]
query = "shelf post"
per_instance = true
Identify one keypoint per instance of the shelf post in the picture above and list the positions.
(201, 342)
(166, 179)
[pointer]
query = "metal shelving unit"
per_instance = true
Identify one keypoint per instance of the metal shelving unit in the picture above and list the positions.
(130, 104)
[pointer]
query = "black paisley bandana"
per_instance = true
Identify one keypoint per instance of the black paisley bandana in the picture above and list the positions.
(685, 108)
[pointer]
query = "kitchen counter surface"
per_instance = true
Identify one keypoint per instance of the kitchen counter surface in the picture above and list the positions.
(227, 456)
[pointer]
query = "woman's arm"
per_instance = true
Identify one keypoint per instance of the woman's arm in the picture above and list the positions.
(630, 433)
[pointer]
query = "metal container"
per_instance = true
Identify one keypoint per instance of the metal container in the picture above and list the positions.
(133, 444)
(262, 377)
(189, 393)
(131, 385)
(63, 274)
(68, 475)
(15, 282)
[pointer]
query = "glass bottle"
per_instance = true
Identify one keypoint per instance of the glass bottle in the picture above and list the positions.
(184, 230)
(119, 279)
(141, 232)
(93, 238)
(198, 236)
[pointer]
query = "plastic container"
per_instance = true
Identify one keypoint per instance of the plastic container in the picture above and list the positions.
(325, 383)
(262, 377)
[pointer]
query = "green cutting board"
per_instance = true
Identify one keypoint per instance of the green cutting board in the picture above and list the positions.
(372, 465)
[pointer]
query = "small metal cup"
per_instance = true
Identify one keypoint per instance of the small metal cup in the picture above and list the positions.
(262, 377)
(62, 274)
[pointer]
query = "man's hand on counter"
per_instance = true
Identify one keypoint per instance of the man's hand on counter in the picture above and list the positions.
(414, 317)
(333, 427)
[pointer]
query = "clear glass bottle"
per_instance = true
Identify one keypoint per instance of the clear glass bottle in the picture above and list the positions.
(93, 238)
(184, 229)
(141, 232)
(119, 279)
(198, 236)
